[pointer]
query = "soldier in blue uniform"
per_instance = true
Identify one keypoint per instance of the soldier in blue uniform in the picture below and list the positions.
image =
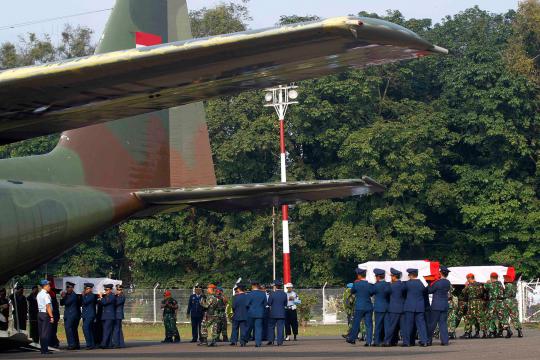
(240, 316)
(256, 306)
(72, 315)
(107, 300)
(414, 309)
(363, 308)
(278, 303)
(395, 315)
(381, 294)
(89, 300)
(196, 311)
(439, 306)
(118, 333)
(266, 319)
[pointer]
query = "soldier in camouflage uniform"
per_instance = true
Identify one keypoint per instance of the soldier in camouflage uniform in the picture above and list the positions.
(510, 308)
(474, 293)
(348, 305)
(209, 326)
(222, 314)
(495, 307)
(169, 306)
(453, 312)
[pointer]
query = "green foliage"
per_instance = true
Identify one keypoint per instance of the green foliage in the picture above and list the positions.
(305, 309)
(453, 138)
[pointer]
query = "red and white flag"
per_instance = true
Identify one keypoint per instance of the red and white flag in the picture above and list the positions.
(143, 39)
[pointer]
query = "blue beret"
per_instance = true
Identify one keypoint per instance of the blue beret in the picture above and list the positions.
(412, 271)
(44, 282)
(360, 271)
(278, 283)
(444, 269)
(255, 282)
(350, 285)
(395, 272)
(88, 285)
(108, 286)
(378, 272)
(70, 284)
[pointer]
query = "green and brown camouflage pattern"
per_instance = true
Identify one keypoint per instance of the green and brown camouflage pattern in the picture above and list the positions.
(100, 175)
(70, 94)
(86, 183)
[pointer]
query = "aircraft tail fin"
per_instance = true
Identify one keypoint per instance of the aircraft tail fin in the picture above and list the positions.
(161, 149)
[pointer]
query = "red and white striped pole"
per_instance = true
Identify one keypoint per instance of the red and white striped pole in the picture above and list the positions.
(280, 98)
(284, 208)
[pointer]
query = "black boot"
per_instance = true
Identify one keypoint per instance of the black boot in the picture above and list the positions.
(167, 340)
(476, 335)
(491, 335)
(500, 333)
(467, 335)
(452, 335)
(520, 333)
(176, 339)
(509, 333)
(484, 335)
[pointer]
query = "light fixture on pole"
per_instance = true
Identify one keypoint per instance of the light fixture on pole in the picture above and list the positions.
(280, 98)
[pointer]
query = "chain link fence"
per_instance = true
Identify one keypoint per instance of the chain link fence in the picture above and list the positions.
(529, 301)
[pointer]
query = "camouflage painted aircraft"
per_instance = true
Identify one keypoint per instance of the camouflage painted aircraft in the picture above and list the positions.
(157, 157)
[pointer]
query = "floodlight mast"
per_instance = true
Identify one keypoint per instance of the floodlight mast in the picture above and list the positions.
(280, 98)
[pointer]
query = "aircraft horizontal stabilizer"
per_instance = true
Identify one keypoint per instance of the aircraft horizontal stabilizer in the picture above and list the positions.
(255, 196)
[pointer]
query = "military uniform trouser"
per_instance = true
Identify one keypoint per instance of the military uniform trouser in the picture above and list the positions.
(476, 315)
(412, 320)
(108, 326)
(276, 325)
(438, 318)
(239, 331)
(291, 322)
(88, 331)
(118, 334)
(494, 315)
(71, 325)
(196, 327)
(44, 326)
(367, 318)
(396, 323)
(209, 329)
(171, 330)
(511, 314)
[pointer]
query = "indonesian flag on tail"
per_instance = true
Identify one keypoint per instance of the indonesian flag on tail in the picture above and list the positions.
(143, 39)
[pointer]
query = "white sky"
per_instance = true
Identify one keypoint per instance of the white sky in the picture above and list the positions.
(264, 12)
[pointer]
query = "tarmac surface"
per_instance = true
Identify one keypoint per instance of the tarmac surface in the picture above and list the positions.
(313, 348)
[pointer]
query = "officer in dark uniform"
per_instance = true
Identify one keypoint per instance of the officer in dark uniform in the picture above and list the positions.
(240, 316)
(98, 325)
(72, 315)
(439, 306)
(256, 306)
(381, 294)
(363, 308)
(395, 315)
(196, 311)
(19, 308)
(89, 300)
(33, 314)
(414, 309)
(118, 333)
(277, 301)
(266, 319)
(107, 300)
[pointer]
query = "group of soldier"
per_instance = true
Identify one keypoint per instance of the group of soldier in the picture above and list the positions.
(402, 309)
(264, 313)
(101, 315)
(491, 308)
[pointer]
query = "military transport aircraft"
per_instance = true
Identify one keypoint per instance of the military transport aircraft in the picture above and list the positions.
(157, 157)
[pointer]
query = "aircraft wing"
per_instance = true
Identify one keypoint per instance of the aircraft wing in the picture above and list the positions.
(49, 98)
(256, 196)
